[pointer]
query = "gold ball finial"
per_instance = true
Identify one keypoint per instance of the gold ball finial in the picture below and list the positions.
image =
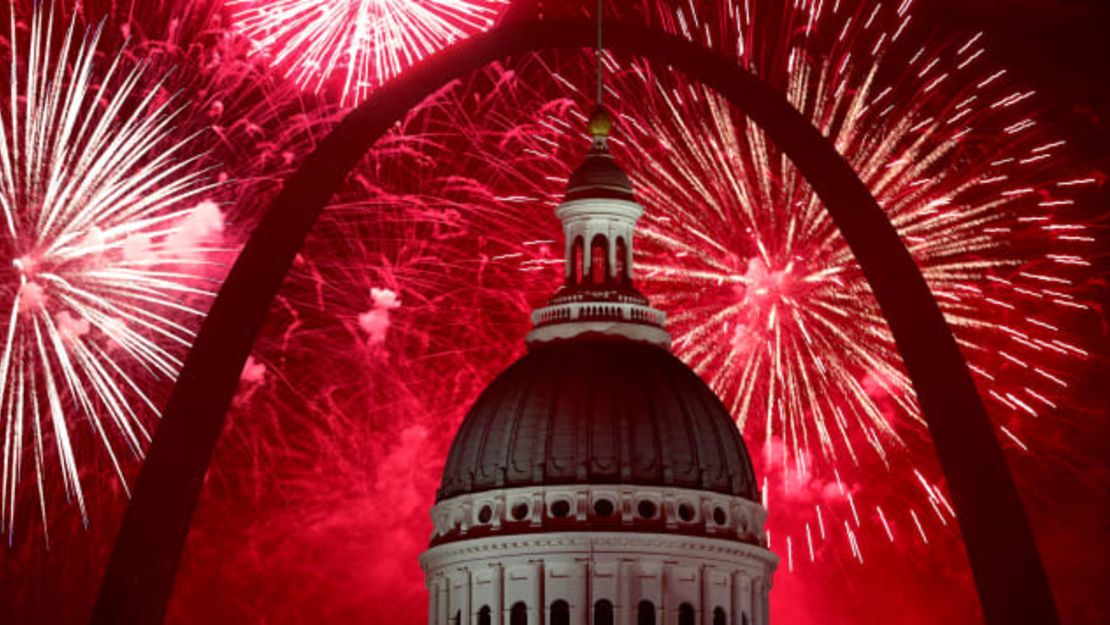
(600, 123)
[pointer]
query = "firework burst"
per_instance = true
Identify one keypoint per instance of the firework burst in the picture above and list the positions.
(355, 45)
(107, 239)
(770, 306)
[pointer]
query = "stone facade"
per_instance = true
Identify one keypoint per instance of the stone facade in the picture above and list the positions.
(691, 554)
(644, 578)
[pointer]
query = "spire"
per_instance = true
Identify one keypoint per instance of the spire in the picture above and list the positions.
(600, 65)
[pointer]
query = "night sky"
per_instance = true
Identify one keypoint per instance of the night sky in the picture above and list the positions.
(1063, 49)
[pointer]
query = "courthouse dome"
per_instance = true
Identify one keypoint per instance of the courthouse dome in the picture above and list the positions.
(598, 411)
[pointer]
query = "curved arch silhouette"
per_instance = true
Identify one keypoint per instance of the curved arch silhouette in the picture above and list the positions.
(1007, 570)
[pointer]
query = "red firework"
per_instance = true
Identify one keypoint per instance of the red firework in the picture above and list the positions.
(356, 45)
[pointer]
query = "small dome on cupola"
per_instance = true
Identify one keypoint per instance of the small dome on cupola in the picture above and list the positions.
(599, 176)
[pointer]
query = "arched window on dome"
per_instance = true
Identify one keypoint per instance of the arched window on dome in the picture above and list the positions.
(744, 618)
(685, 614)
(719, 616)
(603, 612)
(560, 613)
(518, 614)
(484, 617)
(622, 261)
(457, 619)
(577, 258)
(599, 259)
(645, 613)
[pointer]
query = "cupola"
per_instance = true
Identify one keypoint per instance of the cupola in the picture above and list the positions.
(599, 214)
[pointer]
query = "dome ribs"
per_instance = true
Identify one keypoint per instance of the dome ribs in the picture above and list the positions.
(718, 434)
(560, 428)
(500, 427)
(646, 463)
(698, 428)
(595, 417)
(522, 451)
(680, 460)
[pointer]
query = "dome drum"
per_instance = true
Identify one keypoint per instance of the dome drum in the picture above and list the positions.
(597, 508)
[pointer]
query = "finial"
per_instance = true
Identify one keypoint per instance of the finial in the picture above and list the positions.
(600, 123)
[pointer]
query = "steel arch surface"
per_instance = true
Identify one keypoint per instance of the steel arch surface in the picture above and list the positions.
(1008, 574)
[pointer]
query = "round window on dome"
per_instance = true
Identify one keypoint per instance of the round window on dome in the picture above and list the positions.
(560, 508)
(604, 507)
(686, 512)
(520, 511)
(485, 514)
(720, 517)
(646, 508)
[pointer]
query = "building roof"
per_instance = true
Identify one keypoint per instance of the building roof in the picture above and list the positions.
(598, 411)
